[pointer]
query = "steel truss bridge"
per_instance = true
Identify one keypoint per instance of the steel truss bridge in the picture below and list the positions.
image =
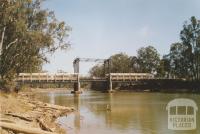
(76, 78)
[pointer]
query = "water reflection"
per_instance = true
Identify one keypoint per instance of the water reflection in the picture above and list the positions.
(119, 113)
(52, 97)
(77, 115)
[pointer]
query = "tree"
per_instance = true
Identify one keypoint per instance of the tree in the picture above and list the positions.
(185, 56)
(179, 60)
(190, 36)
(120, 63)
(149, 59)
(27, 33)
(166, 66)
(97, 71)
(147, 62)
(134, 62)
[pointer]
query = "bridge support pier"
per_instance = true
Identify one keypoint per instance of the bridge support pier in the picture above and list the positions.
(110, 90)
(77, 87)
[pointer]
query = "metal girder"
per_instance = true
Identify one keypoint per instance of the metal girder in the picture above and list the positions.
(77, 60)
(89, 60)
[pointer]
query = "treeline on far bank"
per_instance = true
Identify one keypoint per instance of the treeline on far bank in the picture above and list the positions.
(182, 62)
(170, 86)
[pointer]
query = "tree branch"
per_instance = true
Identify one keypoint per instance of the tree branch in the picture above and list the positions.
(11, 43)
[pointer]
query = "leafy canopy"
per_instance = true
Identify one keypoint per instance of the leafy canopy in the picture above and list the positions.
(27, 34)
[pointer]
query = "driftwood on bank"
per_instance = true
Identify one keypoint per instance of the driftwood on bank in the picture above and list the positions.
(43, 126)
(19, 116)
(54, 107)
(22, 129)
(6, 120)
(40, 115)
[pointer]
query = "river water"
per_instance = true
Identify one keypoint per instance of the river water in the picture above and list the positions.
(118, 113)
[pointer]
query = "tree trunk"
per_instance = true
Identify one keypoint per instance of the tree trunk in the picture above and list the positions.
(2, 39)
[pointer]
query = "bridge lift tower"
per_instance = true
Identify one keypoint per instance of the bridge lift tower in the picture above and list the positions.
(106, 63)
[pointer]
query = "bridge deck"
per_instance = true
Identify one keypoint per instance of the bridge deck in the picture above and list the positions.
(64, 77)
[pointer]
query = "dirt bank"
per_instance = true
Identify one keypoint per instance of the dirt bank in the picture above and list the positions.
(23, 113)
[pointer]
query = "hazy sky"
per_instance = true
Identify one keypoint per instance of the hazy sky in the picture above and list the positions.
(101, 28)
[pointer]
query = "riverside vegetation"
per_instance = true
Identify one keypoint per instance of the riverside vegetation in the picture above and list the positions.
(182, 62)
(27, 34)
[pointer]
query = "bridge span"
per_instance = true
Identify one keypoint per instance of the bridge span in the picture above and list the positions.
(76, 78)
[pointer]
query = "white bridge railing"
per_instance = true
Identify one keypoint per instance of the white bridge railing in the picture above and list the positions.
(64, 77)
(130, 76)
(31, 77)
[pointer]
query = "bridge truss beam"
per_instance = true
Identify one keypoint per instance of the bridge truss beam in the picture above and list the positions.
(106, 63)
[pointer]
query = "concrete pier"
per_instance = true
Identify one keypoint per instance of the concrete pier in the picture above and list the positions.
(110, 88)
(77, 86)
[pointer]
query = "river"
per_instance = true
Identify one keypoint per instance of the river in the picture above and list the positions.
(119, 113)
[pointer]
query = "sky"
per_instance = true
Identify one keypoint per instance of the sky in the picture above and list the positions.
(101, 28)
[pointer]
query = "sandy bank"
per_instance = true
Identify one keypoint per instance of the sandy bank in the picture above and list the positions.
(23, 113)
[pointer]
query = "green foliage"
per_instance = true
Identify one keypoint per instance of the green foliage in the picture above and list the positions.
(164, 67)
(97, 71)
(27, 34)
(149, 59)
(120, 63)
(185, 56)
(179, 64)
(183, 61)
(134, 64)
(190, 36)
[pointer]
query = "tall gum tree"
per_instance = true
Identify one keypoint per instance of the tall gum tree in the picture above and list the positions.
(190, 36)
(27, 34)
